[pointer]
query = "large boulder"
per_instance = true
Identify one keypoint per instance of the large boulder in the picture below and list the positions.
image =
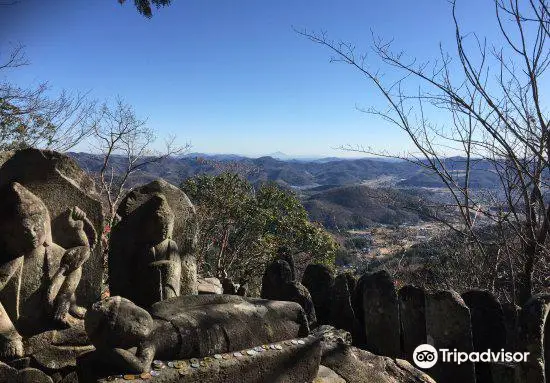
(26, 375)
(359, 366)
(61, 185)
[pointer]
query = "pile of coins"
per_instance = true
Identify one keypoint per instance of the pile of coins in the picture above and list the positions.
(185, 367)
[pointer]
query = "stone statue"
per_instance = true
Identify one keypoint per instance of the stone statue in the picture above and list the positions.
(144, 262)
(185, 228)
(129, 337)
(38, 277)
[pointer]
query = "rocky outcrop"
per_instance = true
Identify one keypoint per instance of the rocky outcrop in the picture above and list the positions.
(360, 366)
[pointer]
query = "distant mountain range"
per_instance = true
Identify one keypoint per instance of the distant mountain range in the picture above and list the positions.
(290, 173)
(340, 193)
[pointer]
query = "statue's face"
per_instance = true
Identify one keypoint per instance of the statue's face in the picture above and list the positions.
(161, 226)
(117, 322)
(26, 233)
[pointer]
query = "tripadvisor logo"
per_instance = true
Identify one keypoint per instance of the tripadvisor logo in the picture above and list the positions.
(426, 356)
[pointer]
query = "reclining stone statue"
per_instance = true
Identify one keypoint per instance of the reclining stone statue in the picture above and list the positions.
(129, 337)
(38, 278)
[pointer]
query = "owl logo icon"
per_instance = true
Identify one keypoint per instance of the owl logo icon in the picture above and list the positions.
(425, 356)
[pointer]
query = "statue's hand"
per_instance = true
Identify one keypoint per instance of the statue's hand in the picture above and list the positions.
(127, 362)
(78, 214)
(74, 258)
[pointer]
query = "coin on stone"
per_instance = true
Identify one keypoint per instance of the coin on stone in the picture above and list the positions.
(265, 347)
(129, 377)
(251, 352)
(218, 356)
(294, 341)
(226, 356)
(204, 364)
(208, 359)
(301, 342)
(237, 354)
(193, 360)
(154, 373)
(145, 376)
(278, 347)
(180, 364)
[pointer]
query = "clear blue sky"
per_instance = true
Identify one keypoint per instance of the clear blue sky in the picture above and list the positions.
(231, 76)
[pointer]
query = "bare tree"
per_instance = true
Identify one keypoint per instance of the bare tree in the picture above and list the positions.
(492, 96)
(30, 117)
(126, 144)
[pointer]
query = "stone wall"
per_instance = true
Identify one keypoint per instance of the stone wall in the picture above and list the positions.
(393, 322)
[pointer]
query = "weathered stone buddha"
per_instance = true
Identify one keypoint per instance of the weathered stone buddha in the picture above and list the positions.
(144, 262)
(130, 337)
(38, 278)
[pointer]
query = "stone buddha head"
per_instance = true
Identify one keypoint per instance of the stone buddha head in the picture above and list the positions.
(159, 219)
(24, 220)
(117, 322)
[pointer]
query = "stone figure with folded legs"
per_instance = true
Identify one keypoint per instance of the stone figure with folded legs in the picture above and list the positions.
(35, 271)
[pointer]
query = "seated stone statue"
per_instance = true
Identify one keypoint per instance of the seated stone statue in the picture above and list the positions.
(34, 271)
(144, 262)
(130, 337)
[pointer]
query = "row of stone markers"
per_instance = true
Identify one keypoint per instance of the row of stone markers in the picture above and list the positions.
(392, 322)
(395, 322)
